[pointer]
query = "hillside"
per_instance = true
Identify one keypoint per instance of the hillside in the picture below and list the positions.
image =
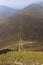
(31, 25)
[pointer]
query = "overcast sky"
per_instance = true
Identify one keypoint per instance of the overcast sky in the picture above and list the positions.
(17, 3)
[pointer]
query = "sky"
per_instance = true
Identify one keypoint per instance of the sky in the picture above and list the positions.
(17, 4)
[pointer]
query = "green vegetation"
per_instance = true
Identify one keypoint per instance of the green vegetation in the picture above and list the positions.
(21, 56)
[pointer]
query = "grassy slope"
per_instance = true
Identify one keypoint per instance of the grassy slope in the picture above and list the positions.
(22, 56)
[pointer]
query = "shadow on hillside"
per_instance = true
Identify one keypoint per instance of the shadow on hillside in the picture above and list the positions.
(5, 51)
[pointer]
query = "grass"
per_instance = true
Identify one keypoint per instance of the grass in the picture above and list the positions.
(22, 56)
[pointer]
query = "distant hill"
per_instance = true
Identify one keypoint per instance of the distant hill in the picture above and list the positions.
(7, 11)
(30, 19)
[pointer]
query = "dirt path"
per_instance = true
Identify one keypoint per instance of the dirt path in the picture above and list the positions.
(18, 63)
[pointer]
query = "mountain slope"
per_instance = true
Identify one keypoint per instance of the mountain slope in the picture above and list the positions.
(34, 10)
(7, 11)
(31, 26)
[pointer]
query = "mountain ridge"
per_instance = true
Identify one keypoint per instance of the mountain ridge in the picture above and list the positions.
(7, 11)
(34, 10)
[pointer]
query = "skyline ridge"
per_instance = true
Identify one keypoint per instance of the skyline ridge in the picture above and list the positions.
(18, 4)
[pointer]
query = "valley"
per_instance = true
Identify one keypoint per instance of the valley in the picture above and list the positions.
(21, 35)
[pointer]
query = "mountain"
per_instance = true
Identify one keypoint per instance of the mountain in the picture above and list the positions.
(30, 22)
(34, 10)
(7, 11)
